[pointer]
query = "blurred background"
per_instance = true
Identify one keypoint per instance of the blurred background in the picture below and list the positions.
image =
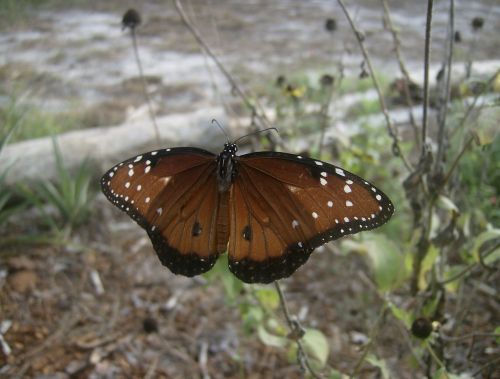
(82, 293)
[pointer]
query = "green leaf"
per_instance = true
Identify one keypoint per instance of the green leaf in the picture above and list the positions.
(444, 202)
(405, 317)
(252, 316)
(443, 374)
(481, 240)
(334, 374)
(452, 271)
(427, 264)
(486, 126)
(497, 331)
(271, 339)
(387, 262)
(316, 346)
(268, 297)
(380, 363)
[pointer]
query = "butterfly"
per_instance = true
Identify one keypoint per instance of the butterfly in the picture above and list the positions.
(268, 210)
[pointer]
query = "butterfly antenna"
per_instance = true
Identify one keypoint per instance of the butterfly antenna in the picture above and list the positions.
(214, 121)
(257, 132)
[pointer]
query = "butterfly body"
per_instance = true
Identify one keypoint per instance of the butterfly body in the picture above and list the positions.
(227, 167)
(269, 210)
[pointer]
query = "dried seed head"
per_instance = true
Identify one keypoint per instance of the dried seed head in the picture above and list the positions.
(131, 19)
(477, 23)
(280, 81)
(326, 80)
(330, 24)
(421, 328)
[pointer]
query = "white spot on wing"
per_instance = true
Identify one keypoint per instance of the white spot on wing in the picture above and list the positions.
(330, 204)
(154, 153)
(138, 158)
(319, 163)
(295, 223)
(347, 189)
(339, 171)
(111, 174)
(378, 197)
(159, 211)
(323, 182)
(127, 184)
(139, 187)
(315, 215)
(349, 181)
(346, 219)
(147, 169)
(130, 172)
(323, 174)
(349, 203)
(147, 199)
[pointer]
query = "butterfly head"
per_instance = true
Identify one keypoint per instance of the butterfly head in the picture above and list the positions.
(226, 166)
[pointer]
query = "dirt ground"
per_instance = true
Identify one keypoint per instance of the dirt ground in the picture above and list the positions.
(104, 307)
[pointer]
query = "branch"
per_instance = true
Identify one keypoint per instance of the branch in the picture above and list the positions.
(390, 128)
(472, 265)
(402, 68)
(428, 28)
(444, 107)
(144, 85)
(297, 332)
(255, 109)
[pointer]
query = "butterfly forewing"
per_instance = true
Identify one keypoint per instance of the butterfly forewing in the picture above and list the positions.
(172, 193)
(283, 206)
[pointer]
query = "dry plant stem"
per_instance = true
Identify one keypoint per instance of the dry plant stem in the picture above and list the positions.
(256, 109)
(402, 68)
(390, 127)
(324, 120)
(487, 364)
(292, 324)
(446, 99)
(435, 357)
(144, 85)
(427, 54)
(454, 165)
(373, 336)
(474, 101)
(472, 265)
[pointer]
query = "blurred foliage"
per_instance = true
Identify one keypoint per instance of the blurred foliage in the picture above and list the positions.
(66, 203)
(33, 122)
(461, 235)
(7, 206)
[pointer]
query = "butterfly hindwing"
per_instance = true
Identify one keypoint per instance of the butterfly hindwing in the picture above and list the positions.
(172, 193)
(283, 206)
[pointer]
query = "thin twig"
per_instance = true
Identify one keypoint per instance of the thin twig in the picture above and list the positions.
(144, 85)
(446, 98)
(294, 326)
(402, 68)
(472, 265)
(254, 106)
(474, 101)
(435, 357)
(373, 336)
(324, 119)
(491, 362)
(427, 54)
(390, 128)
(454, 165)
